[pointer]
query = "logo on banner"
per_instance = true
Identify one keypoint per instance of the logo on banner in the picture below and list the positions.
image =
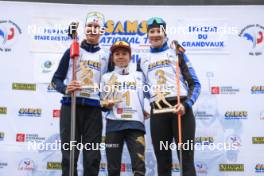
(215, 90)
(203, 34)
(3, 110)
(259, 168)
(204, 140)
(26, 165)
(133, 32)
(258, 140)
(31, 112)
(223, 90)
(3, 165)
(9, 33)
(257, 90)
(54, 165)
(234, 140)
(56, 113)
(129, 31)
(201, 168)
(253, 34)
(236, 115)
(50, 33)
(202, 115)
(50, 88)
(22, 137)
(231, 167)
(206, 110)
(23, 86)
(2, 136)
(50, 144)
(47, 66)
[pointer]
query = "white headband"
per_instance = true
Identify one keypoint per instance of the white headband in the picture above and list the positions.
(95, 17)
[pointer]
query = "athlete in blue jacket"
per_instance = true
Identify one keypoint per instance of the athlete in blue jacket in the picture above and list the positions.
(159, 68)
(92, 64)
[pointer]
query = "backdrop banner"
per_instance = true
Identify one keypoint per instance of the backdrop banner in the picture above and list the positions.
(224, 44)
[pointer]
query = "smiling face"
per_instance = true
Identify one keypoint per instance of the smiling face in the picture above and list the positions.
(121, 57)
(93, 33)
(156, 37)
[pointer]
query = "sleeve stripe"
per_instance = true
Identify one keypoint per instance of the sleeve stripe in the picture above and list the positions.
(197, 86)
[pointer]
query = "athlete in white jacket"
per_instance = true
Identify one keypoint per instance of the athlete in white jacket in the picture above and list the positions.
(125, 120)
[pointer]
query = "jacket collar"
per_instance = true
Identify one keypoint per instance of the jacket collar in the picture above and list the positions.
(157, 50)
(92, 48)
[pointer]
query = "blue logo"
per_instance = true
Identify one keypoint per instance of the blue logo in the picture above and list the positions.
(201, 167)
(254, 35)
(9, 32)
(259, 168)
(47, 66)
(31, 112)
(257, 90)
(26, 165)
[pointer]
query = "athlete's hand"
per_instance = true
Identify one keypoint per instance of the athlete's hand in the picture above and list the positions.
(110, 104)
(73, 86)
(72, 29)
(179, 108)
(176, 46)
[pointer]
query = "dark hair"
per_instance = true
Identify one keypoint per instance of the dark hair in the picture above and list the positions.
(111, 64)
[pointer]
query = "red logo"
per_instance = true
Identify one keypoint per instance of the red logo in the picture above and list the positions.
(20, 137)
(215, 90)
(119, 110)
(56, 113)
